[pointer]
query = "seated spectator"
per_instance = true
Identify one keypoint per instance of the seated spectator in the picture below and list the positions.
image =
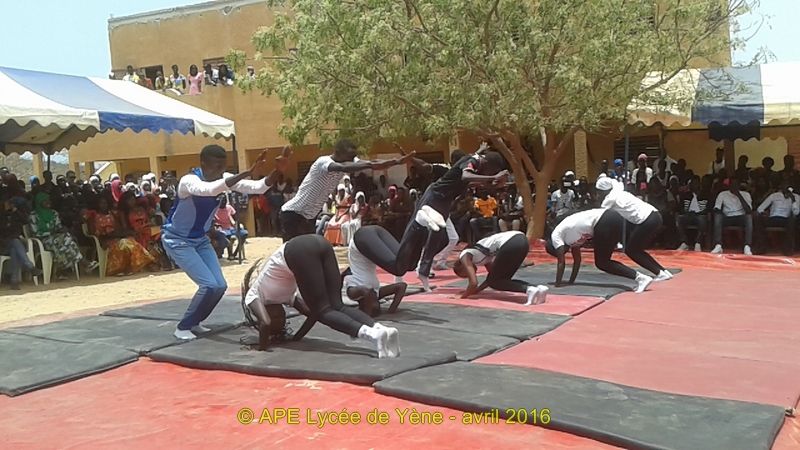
(333, 231)
(733, 208)
(46, 226)
(693, 212)
(225, 77)
(358, 210)
(135, 215)
(679, 170)
(486, 205)
(742, 172)
(511, 214)
(327, 213)
(161, 82)
(784, 207)
(765, 172)
(719, 162)
(125, 254)
(176, 80)
(13, 217)
(562, 202)
(225, 221)
(789, 173)
(195, 81)
(641, 176)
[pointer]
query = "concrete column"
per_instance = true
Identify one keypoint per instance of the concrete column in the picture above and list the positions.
(581, 152)
(155, 166)
(75, 166)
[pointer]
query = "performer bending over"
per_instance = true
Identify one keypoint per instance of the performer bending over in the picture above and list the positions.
(645, 218)
(502, 254)
(361, 279)
(185, 234)
(432, 210)
(308, 263)
(604, 228)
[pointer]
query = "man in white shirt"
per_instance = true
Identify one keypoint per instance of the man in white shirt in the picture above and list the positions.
(185, 233)
(130, 75)
(604, 228)
(733, 208)
(784, 207)
(563, 200)
(298, 214)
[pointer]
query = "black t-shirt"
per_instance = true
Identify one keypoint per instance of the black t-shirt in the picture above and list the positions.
(450, 184)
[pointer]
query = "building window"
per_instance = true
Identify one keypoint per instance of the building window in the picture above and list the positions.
(649, 145)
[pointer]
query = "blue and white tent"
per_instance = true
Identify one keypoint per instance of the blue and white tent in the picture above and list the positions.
(42, 111)
(760, 96)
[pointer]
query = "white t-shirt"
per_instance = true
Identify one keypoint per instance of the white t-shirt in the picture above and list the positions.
(780, 206)
(275, 283)
(577, 228)
(730, 204)
(716, 167)
(562, 201)
(492, 244)
(314, 190)
(364, 271)
(631, 208)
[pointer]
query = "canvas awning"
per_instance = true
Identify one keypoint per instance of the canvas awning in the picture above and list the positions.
(42, 111)
(762, 95)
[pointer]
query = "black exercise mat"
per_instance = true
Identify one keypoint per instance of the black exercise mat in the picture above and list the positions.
(591, 281)
(484, 321)
(137, 335)
(28, 363)
(616, 414)
(419, 339)
(313, 357)
(228, 310)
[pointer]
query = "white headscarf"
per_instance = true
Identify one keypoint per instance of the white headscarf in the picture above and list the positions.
(340, 187)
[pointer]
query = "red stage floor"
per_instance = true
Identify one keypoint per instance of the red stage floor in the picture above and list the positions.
(156, 405)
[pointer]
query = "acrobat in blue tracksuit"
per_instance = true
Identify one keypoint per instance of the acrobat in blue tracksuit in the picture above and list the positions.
(185, 239)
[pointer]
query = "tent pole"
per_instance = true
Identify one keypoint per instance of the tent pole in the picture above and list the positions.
(625, 171)
(48, 162)
(239, 244)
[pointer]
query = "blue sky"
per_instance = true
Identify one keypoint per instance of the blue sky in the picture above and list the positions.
(70, 36)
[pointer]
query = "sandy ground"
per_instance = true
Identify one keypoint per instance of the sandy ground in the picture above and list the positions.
(91, 295)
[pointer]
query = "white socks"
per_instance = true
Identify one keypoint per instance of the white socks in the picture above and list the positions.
(663, 275)
(378, 336)
(642, 282)
(425, 283)
(184, 335)
(393, 345)
(536, 295)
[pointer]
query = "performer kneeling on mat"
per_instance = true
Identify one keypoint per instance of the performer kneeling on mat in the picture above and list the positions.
(361, 279)
(604, 228)
(645, 218)
(431, 214)
(307, 264)
(502, 254)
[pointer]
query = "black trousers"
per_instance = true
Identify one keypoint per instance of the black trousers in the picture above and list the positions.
(294, 224)
(607, 233)
(506, 262)
(432, 242)
(312, 261)
(641, 237)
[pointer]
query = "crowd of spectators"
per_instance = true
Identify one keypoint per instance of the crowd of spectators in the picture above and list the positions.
(179, 83)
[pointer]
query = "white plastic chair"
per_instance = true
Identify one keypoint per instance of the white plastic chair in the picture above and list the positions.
(29, 245)
(46, 257)
(102, 253)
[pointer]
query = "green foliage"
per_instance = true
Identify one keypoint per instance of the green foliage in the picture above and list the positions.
(391, 68)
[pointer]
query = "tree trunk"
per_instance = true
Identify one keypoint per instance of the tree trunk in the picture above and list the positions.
(537, 220)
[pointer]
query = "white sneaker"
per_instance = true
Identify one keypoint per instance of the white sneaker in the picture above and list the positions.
(663, 275)
(642, 282)
(541, 295)
(698, 247)
(683, 247)
(531, 293)
(717, 250)
(434, 215)
(748, 251)
(184, 335)
(426, 286)
(200, 329)
(393, 345)
(424, 220)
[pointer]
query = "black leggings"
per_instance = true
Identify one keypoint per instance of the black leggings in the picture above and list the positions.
(380, 247)
(607, 233)
(640, 238)
(506, 262)
(294, 224)
(312, 261)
